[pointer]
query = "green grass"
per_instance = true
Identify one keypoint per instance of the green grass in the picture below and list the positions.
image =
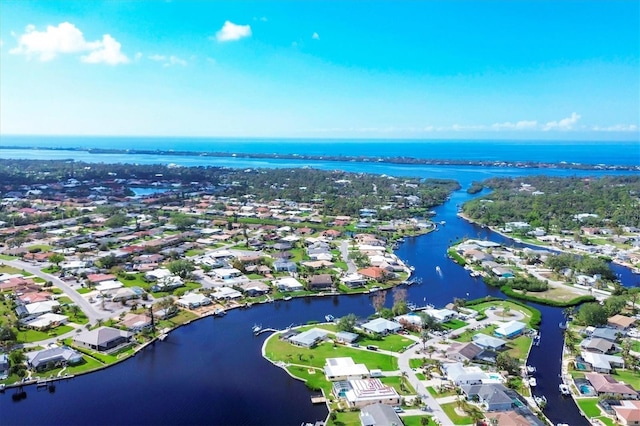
(345, 418)
(589, 406)
(88, 365)
(42, 247)
(278, 350)
(414, 420)
(437, 394)
(314, 381)
(415, 362)
(454, 324)
(194, 252)
(396, 383)
(254, 276)
(6, 269)
(29, 336)
(519, 347)
(392, 342)
(629, 377)
(64, 299)
(449, 410)
(421, 376)
(84, 290)
(7, 257)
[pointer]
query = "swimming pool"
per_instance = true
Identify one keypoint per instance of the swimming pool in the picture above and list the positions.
(586, 389)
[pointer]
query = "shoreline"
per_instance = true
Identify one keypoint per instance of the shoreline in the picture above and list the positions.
(345, 158)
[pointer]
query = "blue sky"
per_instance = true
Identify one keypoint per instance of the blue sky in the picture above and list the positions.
(322, 69)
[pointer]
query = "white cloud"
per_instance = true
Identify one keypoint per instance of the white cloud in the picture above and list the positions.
(616, 128)
(168, 61)
(108, 52)
(138, 56)
(233, 32)
(564, 124)
(315, 36)
(520, 125)
(66, 38)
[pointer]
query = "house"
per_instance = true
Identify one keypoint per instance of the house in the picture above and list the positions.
(605, 333)
(596, 344)
(309, 338)
(46, 359)
(462, 352)
(360, 393)
(284, 265)
(382, 326)
(288, 284)
(379, 415)
(621, 322)
(441, 315)
(226, 273)
(320, 282)
(493, 396)
(488, 342)
(353, 280)
(508, 418)
(253, 288)
(136, 322)
(461, 375)
(36, 309)
(373, 272)
(510, 329)
(46, 321)
(4, 366)
(226, 293)
(628, 412)
(346, 337)
(98, 278)
(601, 363)
(344, 369)
(102, 339)
(605, 384)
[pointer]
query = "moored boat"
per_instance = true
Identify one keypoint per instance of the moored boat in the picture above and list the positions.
(329, 318)
(564, 389)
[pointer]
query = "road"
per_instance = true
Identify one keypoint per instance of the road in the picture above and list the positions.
(76, 297)
(344, 250)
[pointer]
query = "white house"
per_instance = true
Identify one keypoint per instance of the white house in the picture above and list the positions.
(382, 326)
(226, 293)
(193, 300)
(288, 284)
(370, 391)
(510, 329)
(344, 369)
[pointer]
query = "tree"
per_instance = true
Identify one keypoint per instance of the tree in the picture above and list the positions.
(181, 268)
(592, 314)
(504, 361)
(614, 305)
(399, 301)
(7, 336)
(347, 323)
(505, 311)
(116, 221)
(378, 300)
(183, 222)
(56, 259)
(108, 262)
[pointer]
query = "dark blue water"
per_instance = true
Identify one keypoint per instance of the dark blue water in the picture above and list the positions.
(584, 152)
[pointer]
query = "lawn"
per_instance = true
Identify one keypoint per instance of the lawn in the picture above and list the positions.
(589, 406)
(414, 420)
(7, 257)
(42, 247)
(519, 347)
(313, 381)
(415, 362)
(454, 324)
(437, 394)
(194, 252)
(635, 345)
(64, 300)
(629, 377)
(392, 342)
(480, 307)
(29, 336)
(6, 269)
(396, 383)
(84, 290)
(278, 350)
(449, 410)
(345, 418)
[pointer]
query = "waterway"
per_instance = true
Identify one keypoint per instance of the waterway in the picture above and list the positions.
(212, 371)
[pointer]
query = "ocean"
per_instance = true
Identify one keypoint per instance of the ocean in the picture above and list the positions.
(583, 152)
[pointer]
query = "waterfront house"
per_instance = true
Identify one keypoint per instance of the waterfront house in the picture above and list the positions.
(136, 322)
(254, 288)
(492, 396)
(344, 369)
(226, 293)
(510, 329)
(379, 415)
(382, 326)
(353, 280)
(606, 385)
(600, 363)
(605, 333)
(320, 282)
(361, 393)
(226, 273)
(288, 284)
(46, 359)
(621, 322)
(283, 265)
(46, 321)
(4, 366)
(596, 344)
(36, 309)
(627, 413)
(103, 339)
(309, 338)
(508, 418)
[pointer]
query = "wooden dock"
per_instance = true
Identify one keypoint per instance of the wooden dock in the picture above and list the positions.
(318, 399)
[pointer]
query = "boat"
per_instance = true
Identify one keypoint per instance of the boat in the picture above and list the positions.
(256, 328)
(329, 318)
(564, 389)
(531, 369)
(438, 270)
(374, 289)
(541, 401)
(442, 222)
(219, 312)
(532, 382)
(287, 298)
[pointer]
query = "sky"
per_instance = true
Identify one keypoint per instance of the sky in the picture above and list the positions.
(322, 69)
